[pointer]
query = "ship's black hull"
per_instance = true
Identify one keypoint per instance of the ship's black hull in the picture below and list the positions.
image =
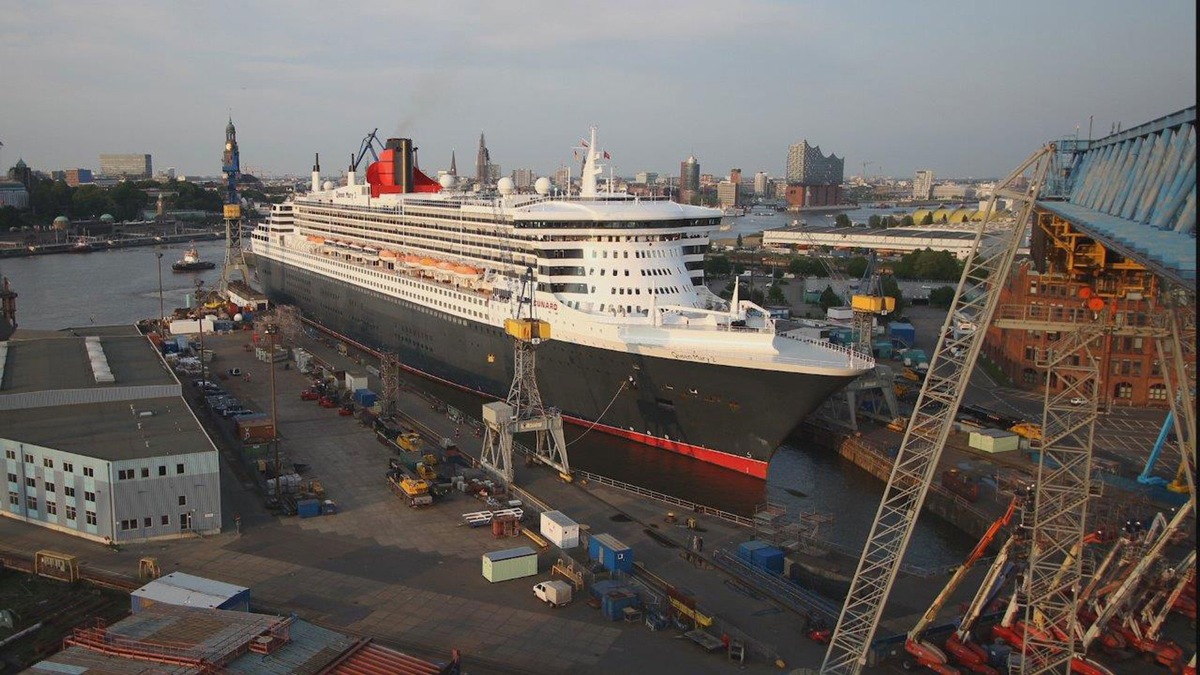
(740, 413)
(193, 267)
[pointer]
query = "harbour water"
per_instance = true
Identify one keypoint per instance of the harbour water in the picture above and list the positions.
(122, 287)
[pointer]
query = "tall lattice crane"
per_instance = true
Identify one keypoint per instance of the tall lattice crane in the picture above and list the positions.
(929, 427)
(523, 410)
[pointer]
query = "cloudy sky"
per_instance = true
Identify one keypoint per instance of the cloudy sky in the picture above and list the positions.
(967, 89)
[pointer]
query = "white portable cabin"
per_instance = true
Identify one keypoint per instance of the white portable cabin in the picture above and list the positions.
(560, 530)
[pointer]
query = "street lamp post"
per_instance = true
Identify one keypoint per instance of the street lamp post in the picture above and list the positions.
(271, 329)
(162, 314)
(200, 323)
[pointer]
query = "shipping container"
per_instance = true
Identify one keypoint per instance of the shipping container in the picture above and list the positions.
(255, 429)
(614, 602)
(611, 553)
(560, 530)
(994, 440)
(768, 558)
(745, 550)
(308, 508)
(365, 397)
(356, 381)
(904, 332)
(512, 563)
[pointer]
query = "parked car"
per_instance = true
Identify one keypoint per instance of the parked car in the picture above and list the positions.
(1078, 400)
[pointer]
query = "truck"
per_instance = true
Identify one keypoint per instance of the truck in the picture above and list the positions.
(415, 492)
(554, 593)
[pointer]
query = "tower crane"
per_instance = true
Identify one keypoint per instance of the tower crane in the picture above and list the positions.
(954, 357)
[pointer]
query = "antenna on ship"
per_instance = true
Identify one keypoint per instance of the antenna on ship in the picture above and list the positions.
(523, 410)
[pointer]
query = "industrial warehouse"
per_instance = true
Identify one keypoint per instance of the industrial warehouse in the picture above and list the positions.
(98, 441)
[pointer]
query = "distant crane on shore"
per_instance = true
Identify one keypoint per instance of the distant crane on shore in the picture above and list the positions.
(865, 164)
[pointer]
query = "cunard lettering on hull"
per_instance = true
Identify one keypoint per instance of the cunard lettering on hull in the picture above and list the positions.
(641, 348)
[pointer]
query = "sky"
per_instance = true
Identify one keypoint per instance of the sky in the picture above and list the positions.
(965, 89)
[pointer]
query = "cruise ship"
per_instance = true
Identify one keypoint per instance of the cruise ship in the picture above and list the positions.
(640, 347)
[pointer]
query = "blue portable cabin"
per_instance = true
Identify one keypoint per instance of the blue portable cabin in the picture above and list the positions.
(611, 553)
(768, 558)
(308, 508)
(745, 550)
(904, 332)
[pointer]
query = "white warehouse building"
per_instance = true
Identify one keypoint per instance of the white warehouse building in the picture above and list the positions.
(99, 442)
(958, 240)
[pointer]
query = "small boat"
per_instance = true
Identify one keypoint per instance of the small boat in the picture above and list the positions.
(82, 245)
(191, 262)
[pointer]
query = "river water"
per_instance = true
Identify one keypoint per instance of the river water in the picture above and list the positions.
(122, 286)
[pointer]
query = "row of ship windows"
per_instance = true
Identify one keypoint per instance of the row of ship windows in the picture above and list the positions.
(51, 488)
(31, 503)
(69, 467)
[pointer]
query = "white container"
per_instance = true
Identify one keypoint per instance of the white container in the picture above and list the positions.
(839, 313)
(560, 530)
(994, 440)
(356, 381)
(555, 593)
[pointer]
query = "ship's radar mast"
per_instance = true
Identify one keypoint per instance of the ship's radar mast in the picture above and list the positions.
(587, 182)
(523, 410)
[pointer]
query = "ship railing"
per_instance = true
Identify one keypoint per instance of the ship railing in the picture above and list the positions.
(683, 504)
(854, 354)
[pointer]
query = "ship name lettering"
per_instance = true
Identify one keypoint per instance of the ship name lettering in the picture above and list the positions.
(693, 356)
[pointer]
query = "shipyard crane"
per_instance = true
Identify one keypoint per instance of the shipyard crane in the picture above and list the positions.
(926, 653)
(523, 410)
(954, 357)
(368, 145)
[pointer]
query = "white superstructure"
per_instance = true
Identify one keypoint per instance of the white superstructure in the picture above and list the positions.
(613, 271)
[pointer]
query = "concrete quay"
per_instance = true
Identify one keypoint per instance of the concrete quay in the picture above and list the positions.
(412, 579)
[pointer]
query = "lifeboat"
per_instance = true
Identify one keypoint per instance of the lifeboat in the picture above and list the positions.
(445, 266)
(316, 240)
(465, 272)
(387, 254)
(428, 263)
(411, 260)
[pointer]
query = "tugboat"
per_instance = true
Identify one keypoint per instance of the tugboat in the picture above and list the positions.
(191, 262)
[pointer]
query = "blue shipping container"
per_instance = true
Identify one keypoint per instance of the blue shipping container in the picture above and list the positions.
(365, 397)
(308, 508)
(613, 604)
(745, 551)
(611, 553)
(768, 558)
(903, 331)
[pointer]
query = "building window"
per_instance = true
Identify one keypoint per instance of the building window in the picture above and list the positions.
(1123, 390)
(1157, 392)
(48, 463)
(31, 482)
(89, 496)
(1029, 376)
(128, 524)
(28, 458)
(71, 513)
(51, 508)
(10, 454)
(14, 499)
(31, 503)
(124, 474)
(68, 491)
(183, 500)
(145, 472)
(12, 478)
(89, 472)
(162, 470)
(146, 521)
(166, 520)
(178, 468)
(90, 516)
(68, 467)
(50, 487)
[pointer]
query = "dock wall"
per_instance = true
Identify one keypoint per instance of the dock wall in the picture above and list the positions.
(873, 458)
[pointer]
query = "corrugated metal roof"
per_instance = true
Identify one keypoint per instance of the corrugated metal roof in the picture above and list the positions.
(187, 590)
(509, 553)
(369, 658)
(311, 650)
(610, 542)
(559, 518)
(1137, 190)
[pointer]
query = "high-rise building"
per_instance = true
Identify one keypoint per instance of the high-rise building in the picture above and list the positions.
(923, 184)
(126, 166)
(482, 162)
(77, 177)
(646, 177)
(729, 191)
(689, 179)
(813, 179)
(562, 177)
(761, 181)
(523, 178)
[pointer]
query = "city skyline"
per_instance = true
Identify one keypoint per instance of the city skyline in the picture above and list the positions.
(941, 89)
